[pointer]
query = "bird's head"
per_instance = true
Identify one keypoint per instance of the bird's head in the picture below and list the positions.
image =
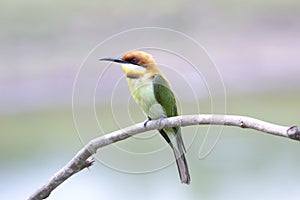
(136, 64)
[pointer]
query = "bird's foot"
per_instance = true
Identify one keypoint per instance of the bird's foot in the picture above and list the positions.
(160, 119)
(147, 120)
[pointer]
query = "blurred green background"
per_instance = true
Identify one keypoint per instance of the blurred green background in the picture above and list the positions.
(255, 45)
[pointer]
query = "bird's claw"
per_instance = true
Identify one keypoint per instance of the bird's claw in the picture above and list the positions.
(147, 120)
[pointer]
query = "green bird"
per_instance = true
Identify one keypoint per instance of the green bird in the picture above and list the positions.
(150, 89)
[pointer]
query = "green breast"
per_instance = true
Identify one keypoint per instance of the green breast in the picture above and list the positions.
(142, 92)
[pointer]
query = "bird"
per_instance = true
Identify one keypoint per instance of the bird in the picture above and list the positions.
(152, 92)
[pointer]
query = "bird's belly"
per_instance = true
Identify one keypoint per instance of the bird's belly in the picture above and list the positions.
(145, 98)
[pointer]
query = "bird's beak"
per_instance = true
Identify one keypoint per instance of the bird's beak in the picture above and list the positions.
(117, 60)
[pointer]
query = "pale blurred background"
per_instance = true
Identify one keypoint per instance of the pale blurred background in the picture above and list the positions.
(255, 45)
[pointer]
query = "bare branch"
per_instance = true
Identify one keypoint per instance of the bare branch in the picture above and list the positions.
(80, 160)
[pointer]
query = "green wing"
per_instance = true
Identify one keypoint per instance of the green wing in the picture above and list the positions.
(164, 95)
(166, 98)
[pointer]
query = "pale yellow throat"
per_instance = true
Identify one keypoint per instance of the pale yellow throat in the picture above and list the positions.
(133, 70)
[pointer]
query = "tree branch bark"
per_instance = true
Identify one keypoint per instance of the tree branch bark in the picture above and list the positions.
(81, 160)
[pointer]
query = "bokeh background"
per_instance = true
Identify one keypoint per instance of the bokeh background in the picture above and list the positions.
(255, 45)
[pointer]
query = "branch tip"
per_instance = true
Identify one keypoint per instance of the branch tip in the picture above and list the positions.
(294, 133)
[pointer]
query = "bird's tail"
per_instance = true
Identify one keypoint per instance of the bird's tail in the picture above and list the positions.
(181, 162)
(177, 145)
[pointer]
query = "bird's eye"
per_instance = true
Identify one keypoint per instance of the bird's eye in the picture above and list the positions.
(134, 60)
